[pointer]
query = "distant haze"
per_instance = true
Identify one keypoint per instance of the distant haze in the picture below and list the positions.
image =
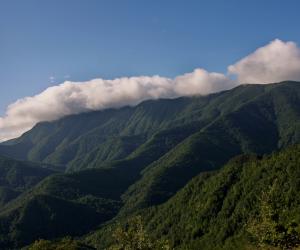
(275, 62)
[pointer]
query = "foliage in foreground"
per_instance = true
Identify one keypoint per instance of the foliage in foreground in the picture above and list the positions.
(133, 236)
(63, 244)
(267, 230)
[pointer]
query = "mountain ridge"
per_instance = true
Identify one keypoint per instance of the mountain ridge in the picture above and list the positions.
(73, 137)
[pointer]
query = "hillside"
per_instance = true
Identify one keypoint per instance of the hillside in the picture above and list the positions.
(268, 122)
(69, 204)
(22, 175)
(19, 176)
(226, 209)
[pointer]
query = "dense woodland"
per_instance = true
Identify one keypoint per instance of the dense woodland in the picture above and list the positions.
(206, 172)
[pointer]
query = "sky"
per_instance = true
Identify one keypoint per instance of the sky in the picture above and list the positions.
(44, 43)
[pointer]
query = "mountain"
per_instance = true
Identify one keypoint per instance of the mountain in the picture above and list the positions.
(268, 122)
(250, 201)
(89, 139)
(117, 162)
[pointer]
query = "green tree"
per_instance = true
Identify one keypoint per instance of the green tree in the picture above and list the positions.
(66, 243)
(41, 245)
(133, 236)
(268, 231)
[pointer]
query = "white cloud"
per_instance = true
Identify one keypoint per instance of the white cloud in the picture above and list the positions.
(202, 82)
(275, 62)
(72, 98)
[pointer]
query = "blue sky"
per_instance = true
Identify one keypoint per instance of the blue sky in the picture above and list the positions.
(81, 40)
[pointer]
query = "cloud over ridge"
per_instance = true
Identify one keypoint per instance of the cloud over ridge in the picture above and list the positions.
(274, 62)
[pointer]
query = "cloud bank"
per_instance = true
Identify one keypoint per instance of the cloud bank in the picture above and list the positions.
(274, 62)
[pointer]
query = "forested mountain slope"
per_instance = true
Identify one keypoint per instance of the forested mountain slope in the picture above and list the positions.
(217, 211)
(269, 122)
(251, 201)
(19, 176)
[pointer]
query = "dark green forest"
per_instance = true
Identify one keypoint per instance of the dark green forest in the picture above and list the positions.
(205, 172)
